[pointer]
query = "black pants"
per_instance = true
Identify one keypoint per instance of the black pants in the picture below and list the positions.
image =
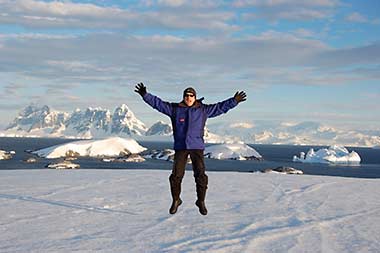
(178, 171)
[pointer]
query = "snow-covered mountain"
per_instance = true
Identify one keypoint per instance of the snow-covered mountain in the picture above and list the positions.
(125, 121)
(89, 123)
(33, 117)
(302, 133)
(160, 128)
(34, 121)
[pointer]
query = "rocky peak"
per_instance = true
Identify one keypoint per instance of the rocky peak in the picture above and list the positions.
(160, 128)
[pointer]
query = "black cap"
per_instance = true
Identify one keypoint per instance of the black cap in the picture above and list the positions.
(189, 90)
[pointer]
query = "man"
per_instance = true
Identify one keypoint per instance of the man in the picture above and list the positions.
(188, 120)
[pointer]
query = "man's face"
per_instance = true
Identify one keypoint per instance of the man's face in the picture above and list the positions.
(189, 99)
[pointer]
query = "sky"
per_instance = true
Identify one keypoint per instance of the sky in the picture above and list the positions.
(310, 60)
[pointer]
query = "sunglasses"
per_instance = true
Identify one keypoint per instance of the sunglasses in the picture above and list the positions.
(189, 95)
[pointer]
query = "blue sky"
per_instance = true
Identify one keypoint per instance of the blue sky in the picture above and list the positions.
(312, 60)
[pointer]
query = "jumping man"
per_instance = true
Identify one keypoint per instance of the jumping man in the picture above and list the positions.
(188, 120)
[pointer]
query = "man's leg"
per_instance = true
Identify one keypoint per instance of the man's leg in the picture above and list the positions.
(175, 179)
(201, 178)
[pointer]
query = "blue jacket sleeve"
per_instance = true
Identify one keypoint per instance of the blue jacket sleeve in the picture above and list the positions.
(214, 110)
(161, 106)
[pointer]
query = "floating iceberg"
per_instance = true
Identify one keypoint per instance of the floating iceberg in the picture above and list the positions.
(110, 147)
(133, 158)
(30, 160)
(333, 155)
(235, 151)
(63, 165)
(6, 155)
(284, 170)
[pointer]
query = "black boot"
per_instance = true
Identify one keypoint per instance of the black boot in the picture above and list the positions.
(175, 205)
(175, 188)
(201, 185)
(202, 207)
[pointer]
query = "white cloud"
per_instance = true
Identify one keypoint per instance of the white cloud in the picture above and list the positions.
(56, 8)
(198, 4)
(276, 10)
(356, 17)
(266, 59)
(172, 2)
(304, 33)
(271, 3)
(38, 14)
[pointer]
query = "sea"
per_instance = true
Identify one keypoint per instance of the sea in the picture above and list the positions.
(274, 156)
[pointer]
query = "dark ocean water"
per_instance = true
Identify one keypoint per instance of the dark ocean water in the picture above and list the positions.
(274, 155)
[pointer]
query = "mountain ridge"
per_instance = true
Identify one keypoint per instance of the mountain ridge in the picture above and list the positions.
(96, 122)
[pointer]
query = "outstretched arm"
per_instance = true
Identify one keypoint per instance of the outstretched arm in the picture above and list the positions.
(154, 101)
(214, 110)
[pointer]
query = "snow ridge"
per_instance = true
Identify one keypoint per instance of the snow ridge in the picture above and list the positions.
(89, 123)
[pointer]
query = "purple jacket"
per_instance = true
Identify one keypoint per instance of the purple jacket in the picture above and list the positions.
(189, 122)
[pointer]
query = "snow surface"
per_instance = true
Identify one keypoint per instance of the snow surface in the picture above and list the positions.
(334, 155)
(108, 147)
(238, 151)
(127, 211)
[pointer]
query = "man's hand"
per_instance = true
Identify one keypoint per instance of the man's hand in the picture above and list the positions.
(240, 96)
(140, 89)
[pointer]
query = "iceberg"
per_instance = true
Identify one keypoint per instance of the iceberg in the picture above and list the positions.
(63, 165)
(30, 160)
(133, 158)
(284, 170)
(234, 151)
(333, 155)
(110, 147)
(6, 155)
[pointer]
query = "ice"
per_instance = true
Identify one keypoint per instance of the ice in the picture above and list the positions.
(333, 155)
(237, 151)
(6, 155)
(63, 165)
(110, 147)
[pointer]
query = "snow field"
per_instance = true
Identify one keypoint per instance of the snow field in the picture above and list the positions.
(127, 211)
